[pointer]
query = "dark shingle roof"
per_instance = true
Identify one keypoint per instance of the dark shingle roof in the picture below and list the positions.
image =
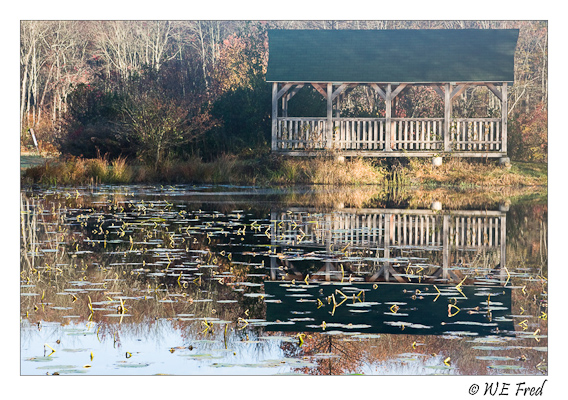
(421, 56)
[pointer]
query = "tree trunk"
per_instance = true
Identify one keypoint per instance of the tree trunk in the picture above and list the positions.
(158, 150)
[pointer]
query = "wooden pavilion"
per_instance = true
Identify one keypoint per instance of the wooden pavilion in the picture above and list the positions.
(334, 62)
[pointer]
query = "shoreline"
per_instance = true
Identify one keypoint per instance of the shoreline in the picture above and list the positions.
(270, 170)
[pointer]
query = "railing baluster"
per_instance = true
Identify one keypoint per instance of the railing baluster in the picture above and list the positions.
(491, 128)
(428, 135)
(359, 134)
(376, 139)
(422, 135)
(370, 134)
(289, 133)
(342, 134)
(499, 134)
(459, 134)
(348, 134)
(405, 143)
(478, 135)
(414, 145)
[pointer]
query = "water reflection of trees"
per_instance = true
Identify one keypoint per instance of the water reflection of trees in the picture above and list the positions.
(341, 354)
(159, 275)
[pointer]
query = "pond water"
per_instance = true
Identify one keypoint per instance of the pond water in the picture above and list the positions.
(224, 280)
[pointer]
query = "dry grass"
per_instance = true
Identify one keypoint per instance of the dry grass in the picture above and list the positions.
(273, 170)
(76, 170)
(120, 171)
(327, 171)
(462, 173)
(227, 169)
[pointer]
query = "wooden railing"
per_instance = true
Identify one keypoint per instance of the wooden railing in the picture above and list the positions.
(417, 133)
(406, 134)
(476, 134)
(359, 133)
(363, 228)
(301, 133)
(393, 238)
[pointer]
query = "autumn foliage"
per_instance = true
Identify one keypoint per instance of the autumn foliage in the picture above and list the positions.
(528, 135)
(100, 87)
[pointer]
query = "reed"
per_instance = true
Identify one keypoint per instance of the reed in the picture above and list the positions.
(121, 172)
(98, 169)
(273, 170)
(326, 171)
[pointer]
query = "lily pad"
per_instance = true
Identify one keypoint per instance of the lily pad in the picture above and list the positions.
(489, 348)
(495, 358)
(131, 365)
(505, 367)
(40, 359)
(282, 338)
(58, 367)
(201, 356)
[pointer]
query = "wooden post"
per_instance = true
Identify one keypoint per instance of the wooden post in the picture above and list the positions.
(503, 249)
(445, 247)
(285, 105)
(329, 132)
(388, 111)
(273, 262)
(274, 114)
(504, 112)
(387, 240)
(447, 115)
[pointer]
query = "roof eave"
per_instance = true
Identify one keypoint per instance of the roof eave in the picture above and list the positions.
(392, 83)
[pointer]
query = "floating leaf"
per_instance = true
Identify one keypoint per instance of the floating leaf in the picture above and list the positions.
(505, 367)
(495, 358)
(130, 365)
(40, 359)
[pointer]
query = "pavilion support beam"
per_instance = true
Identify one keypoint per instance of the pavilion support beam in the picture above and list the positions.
(504, 114)
(388, 117)
(284, 89)
(494, 90)
(438, 89)
(447, 115)
(288, 95)
(329, 125)
(274, 114)
(398, 89)
(379, 91)
(285, 105)
(295, 90)
(458, 90)
(318, 87)
(389, 95)
(339, 90)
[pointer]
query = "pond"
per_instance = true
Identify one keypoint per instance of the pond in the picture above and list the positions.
(225, 280)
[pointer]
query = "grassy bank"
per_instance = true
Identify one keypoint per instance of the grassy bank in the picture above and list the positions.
(266, 170)
(274, 170)
(478, 173)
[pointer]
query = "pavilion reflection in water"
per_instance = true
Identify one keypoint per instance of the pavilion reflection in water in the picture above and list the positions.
(389, 271)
